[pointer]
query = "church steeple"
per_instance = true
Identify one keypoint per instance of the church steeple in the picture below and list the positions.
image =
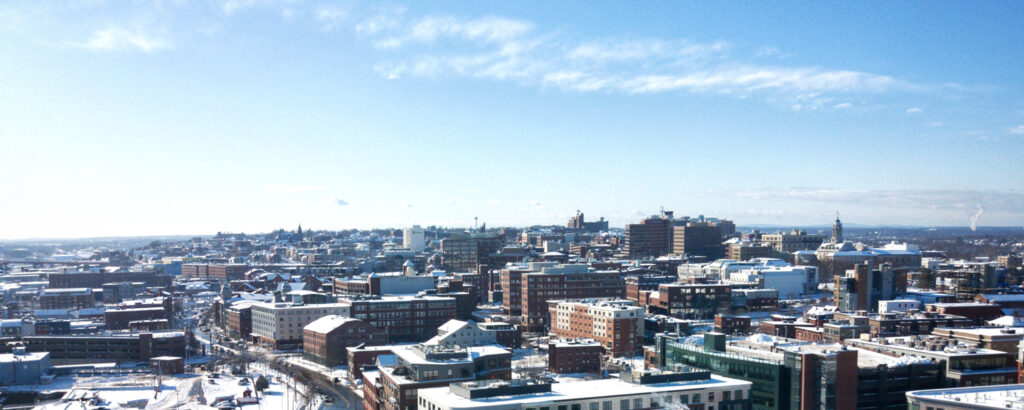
(837, 230)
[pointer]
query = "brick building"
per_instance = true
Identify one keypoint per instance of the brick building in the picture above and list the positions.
(107, 348)
(652, 237)
(617, 325)
(575, 356)
(638, 285)
(562, 282)
(67, 298)
(977, 312)
(404, 318)
(732, 324)
(327, 339)
(117, 319)
(97, 279)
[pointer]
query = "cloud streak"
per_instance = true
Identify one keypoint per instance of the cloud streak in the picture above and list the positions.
(505, 49)
(116, 38)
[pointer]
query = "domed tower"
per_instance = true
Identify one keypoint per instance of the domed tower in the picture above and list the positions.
(837, 230)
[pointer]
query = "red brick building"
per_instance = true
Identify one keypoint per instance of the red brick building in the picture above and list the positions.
(67, 298)
(639, 285)
(327, 339)
(97, 279)
(239, 321)
(404, 318)
(732, 324)
(221, 272)
(575, 356)
(117, 319)
(562, 282)
(978, 312)
(617, 325)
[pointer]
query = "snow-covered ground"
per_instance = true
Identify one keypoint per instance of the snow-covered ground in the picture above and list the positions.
(197, 392)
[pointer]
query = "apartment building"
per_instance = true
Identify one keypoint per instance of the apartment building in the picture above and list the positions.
(279, 325)
(562, 282)
(404, 318)
(616, 324)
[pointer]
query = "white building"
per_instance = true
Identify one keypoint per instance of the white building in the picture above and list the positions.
(721, 268)
(414, 238)
(898, 305)
(461, 333)
(281, 323)
(1007, 396)
(767, 273)
(632, 390)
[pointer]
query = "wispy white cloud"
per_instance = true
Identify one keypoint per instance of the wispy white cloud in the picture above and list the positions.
(340, 202)
(1018, 130)
(331, 17)
(841, 106)
(430, 29)
(914, 110)
(385, 19)
(116, 38)
(506, 49)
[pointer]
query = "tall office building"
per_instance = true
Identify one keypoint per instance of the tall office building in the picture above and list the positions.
(414, 238)
(462, 252)
(652, 237)
(698, 238)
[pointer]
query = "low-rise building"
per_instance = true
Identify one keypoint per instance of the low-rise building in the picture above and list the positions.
(23, 368)
(410, 368)
(732, 324)
(782, 370)
(279, 325)
(632, 390)
(69, 298)
(967, 398)
(964, 365)
(404, 318)
(128, 347)
(574, 356)
(701, 301)
(327, 339)
(978, 312)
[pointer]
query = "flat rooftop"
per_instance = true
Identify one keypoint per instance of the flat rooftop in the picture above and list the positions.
(581, 390)
(1007, 396)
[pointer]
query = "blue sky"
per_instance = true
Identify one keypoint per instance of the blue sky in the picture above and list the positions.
(188, 117)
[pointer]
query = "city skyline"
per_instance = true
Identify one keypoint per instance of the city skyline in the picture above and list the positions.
(164, 118)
